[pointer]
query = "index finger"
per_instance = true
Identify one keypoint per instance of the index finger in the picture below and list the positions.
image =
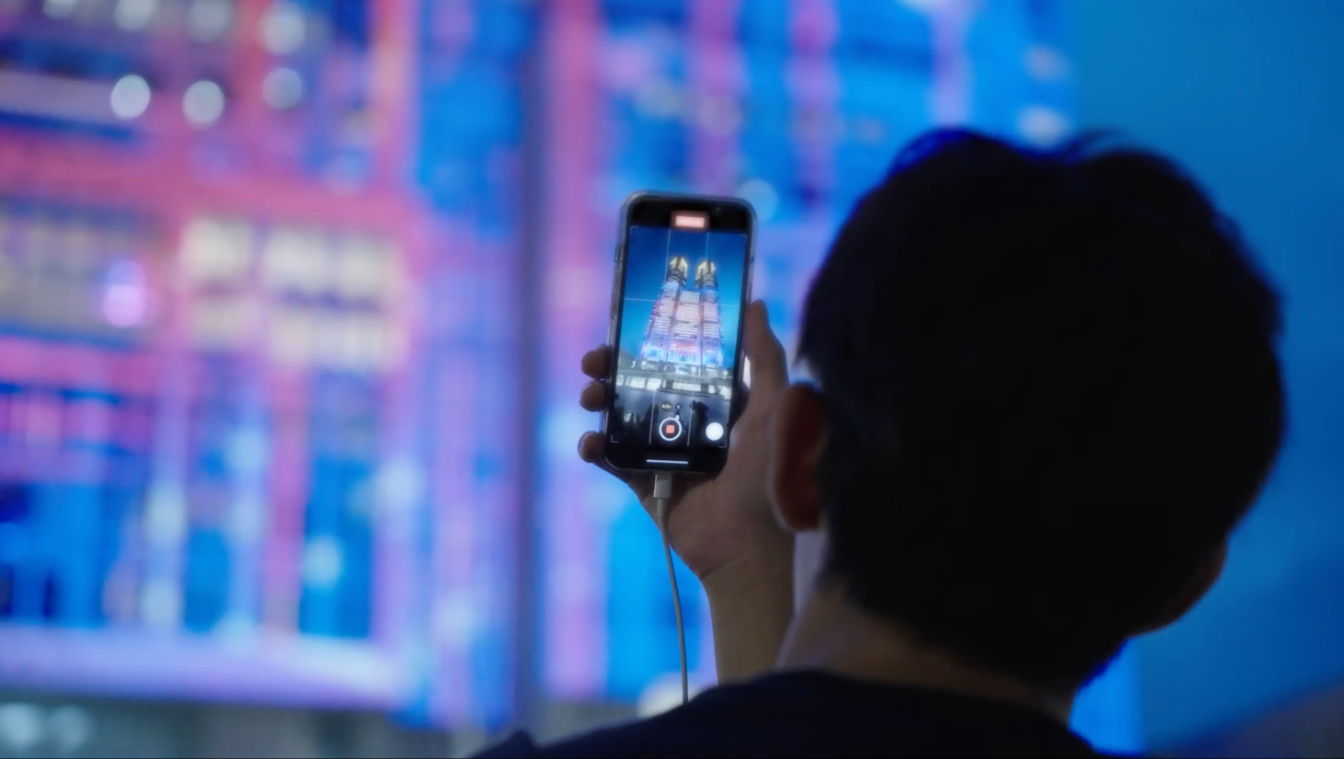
(597, 362)
(769, 367)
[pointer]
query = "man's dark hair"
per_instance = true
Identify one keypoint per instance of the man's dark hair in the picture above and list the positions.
(1052, 391)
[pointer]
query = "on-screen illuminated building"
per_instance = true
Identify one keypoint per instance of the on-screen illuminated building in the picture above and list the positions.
(711, 330)
(684, 333)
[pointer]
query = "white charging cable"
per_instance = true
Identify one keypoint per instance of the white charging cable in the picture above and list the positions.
(662, 492)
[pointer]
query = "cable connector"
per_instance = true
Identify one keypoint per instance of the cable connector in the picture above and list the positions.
(662, 492)
(662, 488)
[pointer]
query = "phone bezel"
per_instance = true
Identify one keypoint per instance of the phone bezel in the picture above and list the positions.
(638, 210)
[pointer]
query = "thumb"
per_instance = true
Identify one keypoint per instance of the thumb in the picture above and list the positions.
(769, 367)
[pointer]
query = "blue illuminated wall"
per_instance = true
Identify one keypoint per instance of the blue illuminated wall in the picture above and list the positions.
(474, 55)
(1246, 95)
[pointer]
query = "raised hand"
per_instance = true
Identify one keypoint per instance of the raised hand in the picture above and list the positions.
(714, 522)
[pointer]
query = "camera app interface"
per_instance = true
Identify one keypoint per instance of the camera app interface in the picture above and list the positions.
(678, 340)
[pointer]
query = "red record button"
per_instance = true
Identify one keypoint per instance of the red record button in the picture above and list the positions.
(670, 429)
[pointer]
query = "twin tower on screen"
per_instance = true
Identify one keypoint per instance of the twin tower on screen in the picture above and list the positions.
(684, 334)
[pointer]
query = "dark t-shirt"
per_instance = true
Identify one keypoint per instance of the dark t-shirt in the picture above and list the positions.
(816, 714)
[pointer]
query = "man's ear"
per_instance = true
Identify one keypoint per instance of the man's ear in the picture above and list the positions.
(797, 442)
(1207, 574)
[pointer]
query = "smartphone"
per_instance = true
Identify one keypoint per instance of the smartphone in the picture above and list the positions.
(682, 285)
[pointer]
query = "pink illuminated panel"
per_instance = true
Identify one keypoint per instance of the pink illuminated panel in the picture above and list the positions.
(216, 275)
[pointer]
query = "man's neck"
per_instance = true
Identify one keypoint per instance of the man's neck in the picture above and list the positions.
(832, 635)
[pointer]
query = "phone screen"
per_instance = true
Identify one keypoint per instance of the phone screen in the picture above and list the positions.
(682, 287)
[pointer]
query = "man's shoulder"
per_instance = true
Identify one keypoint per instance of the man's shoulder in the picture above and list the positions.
(685, 731)
(814, 715)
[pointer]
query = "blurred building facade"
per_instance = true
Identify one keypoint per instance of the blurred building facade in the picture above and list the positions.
(226, 308)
